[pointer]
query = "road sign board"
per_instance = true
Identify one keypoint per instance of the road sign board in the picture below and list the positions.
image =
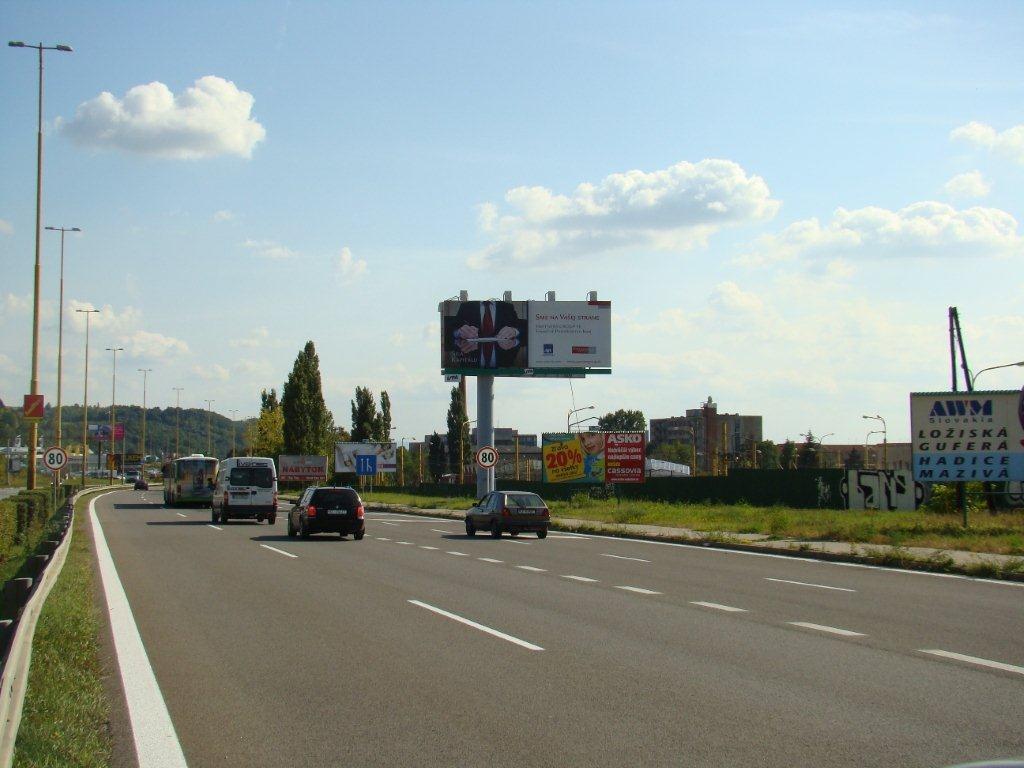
(487, 457)
(452, 378)
(33, 408)
(366, 464)
(55, 458)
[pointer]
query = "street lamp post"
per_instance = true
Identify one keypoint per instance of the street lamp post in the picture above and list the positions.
(462, 450)
(33, 427)
(885, 440)
(974, 378)
(113, 406)
(209, 443)
(177, 420)
(866, 437)
(85, 394)
(60, 332)
(142, 448)
(572, 411)
(234, 416)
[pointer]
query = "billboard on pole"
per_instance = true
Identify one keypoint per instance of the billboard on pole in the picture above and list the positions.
(594, 457)
(964, 436)
(346, 457)
(102, 431)
(525, 338)
(302, 468)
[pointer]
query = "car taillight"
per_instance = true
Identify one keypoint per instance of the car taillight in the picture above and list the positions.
(359, 512)
(545, 513)
(310, 511)
(506, 512)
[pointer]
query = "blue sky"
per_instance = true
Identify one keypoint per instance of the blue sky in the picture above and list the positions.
(780, 203)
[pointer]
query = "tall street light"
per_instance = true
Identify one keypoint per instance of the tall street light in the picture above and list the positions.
(866, 438)
(33, 427)
(177, 420)
(462, 450)
(234, 417)
(575, 411)
(885, 440)
(85, 394)
(209, 443)
(60, 326)
(993, 368)
(113, 406)
(142, 447)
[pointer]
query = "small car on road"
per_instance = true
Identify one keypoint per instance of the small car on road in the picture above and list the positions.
(141, 484)
(512, 511)
(328, 509)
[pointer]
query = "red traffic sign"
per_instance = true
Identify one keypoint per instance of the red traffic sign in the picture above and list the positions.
(487, 457)
(55, 458)
(34, 406)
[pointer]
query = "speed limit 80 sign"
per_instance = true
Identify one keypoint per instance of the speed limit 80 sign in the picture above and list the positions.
(55, 458)
(487, 457)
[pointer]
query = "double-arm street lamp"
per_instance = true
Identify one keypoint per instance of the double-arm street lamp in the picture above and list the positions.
(60, 329)
(574, 411)
(974, 378)
(142, 446)
(885, 440)
(85, 394)
(462, 450)
(209, 442)
(113, 406)
(177, 420)
(33, 428)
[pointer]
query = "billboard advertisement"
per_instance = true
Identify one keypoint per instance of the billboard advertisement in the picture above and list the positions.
(302, 468)
(525, 338)
(964, 436)
(346, 457)
(102, 431)
(594, 457)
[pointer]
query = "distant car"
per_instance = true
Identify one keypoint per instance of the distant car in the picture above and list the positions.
(132, 475)
(141, 484)
(328, 509)
(512, 511)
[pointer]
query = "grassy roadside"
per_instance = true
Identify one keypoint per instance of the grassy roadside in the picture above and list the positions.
(1001, 534)
(65, 720)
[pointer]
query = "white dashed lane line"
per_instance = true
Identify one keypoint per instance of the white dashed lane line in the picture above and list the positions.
(475, 625)
(829, 630)
(408, 543)
(718, 606)
(384, 522)
(516, 541)
(974, 660)
(623, 557)
(638, 590)
(180, 515)
(214, 527)
(383, 538)
(424, 546)
(438, 530)
(584, 579)
(808, 584)
(279, 551)
(489, 560)
(457, 554)
(531, 569)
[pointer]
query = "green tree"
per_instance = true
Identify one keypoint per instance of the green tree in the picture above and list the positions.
(308, 424)
(623, 421)
(436, 463)
(808, 456)
(383, 421)
(365, 419)
(854, 459)
(457, 424)
(265, 434)
(268, 399)
(769, 455)
(787, 456)
(675, 451)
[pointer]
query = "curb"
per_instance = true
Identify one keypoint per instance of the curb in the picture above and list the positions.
(910, 564)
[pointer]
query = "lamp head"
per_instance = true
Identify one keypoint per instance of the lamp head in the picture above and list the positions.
(16, 44)
(65, 48)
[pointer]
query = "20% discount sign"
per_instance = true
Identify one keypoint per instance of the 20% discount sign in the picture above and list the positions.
(563, 461)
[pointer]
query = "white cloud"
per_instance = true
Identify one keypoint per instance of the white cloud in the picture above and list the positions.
(257, 338)
(223, 215)
(730, 299)
(107, 319)
(155, 345)
(5, 227)
(673, 209)
(268, 249)
(210, 118)
(350, 268)
(926, 229)
(970, 184)
(213, 372)
(1009, 143)
(13, 306)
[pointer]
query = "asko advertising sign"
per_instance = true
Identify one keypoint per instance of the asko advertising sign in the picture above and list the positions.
(965, 436)
(302, 468)
(594, 457)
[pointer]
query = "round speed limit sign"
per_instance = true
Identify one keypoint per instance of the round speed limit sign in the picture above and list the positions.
(55, 458)
(487, 457)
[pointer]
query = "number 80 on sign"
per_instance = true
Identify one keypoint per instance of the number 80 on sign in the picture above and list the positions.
(55, 458)
(487, 457)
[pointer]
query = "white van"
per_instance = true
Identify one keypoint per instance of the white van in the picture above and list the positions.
(245, 487)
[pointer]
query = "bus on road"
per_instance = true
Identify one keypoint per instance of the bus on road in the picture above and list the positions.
(189, 480)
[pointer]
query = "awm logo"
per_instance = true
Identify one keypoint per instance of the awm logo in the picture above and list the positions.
(549, 349)
(961, 408)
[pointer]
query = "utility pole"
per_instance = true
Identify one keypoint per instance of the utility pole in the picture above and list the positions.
(177, 421)
(234, 416)
(142, 448)
(60, 332)
(85, 395)
(113, 407)
(209, 442)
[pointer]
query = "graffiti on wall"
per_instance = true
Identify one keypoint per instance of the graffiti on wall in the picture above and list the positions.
(888, 489)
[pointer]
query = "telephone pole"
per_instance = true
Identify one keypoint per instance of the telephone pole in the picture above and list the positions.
(177, 421)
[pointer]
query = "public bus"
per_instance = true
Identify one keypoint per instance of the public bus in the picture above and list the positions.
(189, 480)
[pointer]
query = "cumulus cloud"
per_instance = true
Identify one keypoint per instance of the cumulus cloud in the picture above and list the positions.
(210, 118)
(155, 345)
(257, 338)
(673, 209)
(223, 215)
(730, 299)
(268, 249)
(349, 267)
(106, 319)
(5, 227)
(970, 184)
(213, 372)
(1009, 143)
(920, 230)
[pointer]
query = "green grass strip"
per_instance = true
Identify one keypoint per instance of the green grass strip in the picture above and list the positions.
(66, 715)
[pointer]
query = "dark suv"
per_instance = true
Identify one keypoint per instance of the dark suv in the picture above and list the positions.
(512, 511)
(327, 510)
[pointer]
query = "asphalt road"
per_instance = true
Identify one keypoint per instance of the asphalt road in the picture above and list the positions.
(273, 651)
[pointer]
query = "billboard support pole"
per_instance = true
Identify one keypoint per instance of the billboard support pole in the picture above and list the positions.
(484, 431)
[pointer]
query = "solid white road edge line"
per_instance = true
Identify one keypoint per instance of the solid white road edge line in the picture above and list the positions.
(475, 625)
(623, 557)
(718, 606)
(279, 551)
(584, 579)
(156, 743)
(808, 584)
(639, 590)
(974, 660)
(830, 630)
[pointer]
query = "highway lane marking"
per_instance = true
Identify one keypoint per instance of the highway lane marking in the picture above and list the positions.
(385, 522)
(584, 579)
(571, 538)
(457, 554)
(438, 530)
(156, 743)
(514, 541)
(490, 560)
(475, 625)
(279, 551)
(208, 525)
(180, 515)
(808, 584)
(423, 546)
(404, 542)
(531, 569)
(623, 557)
(718, 606)
(974, 660)
(383, 538)
(830, 630)
(639, 590)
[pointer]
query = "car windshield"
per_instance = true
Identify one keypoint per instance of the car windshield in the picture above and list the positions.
(524, 500)
(261, 477)
(335, 498)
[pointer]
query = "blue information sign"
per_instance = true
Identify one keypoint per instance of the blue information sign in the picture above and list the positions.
(366, 464)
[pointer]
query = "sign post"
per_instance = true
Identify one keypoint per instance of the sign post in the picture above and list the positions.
(55, 459)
